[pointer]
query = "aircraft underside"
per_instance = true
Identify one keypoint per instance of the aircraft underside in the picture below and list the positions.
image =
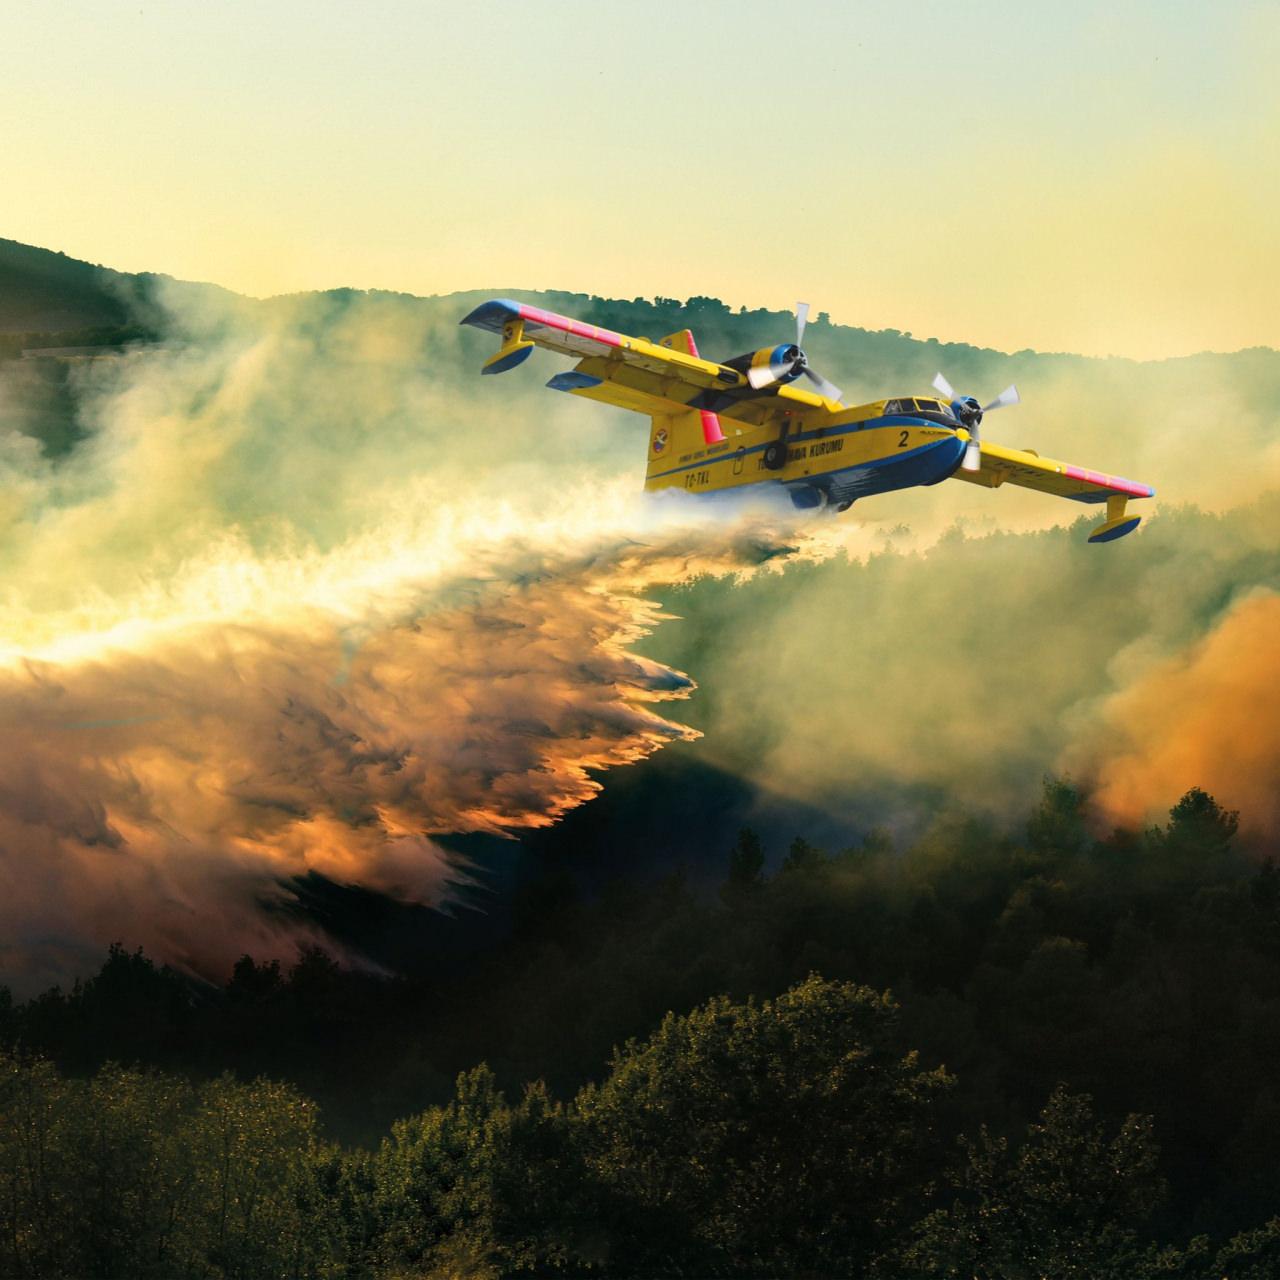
(929, 464)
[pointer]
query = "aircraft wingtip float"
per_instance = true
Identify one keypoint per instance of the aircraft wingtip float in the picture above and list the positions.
(723, 425)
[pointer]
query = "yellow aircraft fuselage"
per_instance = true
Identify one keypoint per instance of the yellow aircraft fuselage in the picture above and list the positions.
(821, 457)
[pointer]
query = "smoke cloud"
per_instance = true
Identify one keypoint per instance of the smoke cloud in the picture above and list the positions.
(1208, 717)
(286, 610)
(883, 689)
(304, 595)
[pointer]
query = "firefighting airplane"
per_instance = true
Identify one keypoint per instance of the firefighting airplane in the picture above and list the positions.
(718, 426)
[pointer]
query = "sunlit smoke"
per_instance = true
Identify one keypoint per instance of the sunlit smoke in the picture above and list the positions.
(169, 772)
(907, 683)
(1208, 717)
(306, 596)
(279, 613)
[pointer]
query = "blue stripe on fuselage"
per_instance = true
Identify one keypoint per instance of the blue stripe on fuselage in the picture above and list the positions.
(925, 464)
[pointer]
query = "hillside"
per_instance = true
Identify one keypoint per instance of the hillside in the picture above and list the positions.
(1147, 420)
(48, 299)
(44, 292)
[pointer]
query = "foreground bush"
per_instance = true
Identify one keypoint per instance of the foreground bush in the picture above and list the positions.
(142, 1175)
(783, 1137)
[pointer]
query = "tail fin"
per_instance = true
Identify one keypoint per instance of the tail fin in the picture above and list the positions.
(682, 340)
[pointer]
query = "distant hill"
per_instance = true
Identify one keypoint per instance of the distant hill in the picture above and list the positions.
(1149, 419)
(50, 300)
(46, 292)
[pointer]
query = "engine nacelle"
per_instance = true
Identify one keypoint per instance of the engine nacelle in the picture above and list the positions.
(968, 410)
(783, 362)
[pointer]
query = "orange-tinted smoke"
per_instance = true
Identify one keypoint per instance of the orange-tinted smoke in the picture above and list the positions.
(1209, 717)
(159, 792)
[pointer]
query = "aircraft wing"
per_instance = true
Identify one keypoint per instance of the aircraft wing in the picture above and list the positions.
(1024, 467)
(1001, 465)
(634, 373)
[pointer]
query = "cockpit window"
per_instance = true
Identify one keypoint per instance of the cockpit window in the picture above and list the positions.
(936, 410)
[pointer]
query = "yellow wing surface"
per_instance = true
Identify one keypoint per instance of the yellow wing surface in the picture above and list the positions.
(1001, 465)
(660, 378)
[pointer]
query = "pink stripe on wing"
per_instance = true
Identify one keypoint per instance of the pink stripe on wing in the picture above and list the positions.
(1130, 487)
(579, 330)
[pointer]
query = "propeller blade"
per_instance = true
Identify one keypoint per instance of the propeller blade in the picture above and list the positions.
(972, 456)
(802, 317)
(761, 375)
(1007, 397)
(941, 384)
(825, 388)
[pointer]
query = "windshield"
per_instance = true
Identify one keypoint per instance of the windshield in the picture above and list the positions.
(935, 406)
(919, 407)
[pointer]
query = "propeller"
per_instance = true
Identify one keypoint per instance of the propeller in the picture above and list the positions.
(967, 409)
(941, 384)
(802, 318)
(792, 361)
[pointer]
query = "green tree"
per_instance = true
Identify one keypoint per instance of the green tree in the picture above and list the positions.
(36, 1229)
(804, 857)
(481, 1188)
(773, 1137)
(1067, 1204)
(1058, 824)
(1251, 1255)
(1199, 827)
(129, 1172)
(746, 870)
(96, 1175)
(255, 1210)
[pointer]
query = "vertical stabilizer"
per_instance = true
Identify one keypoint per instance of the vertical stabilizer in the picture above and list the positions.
(682, 340)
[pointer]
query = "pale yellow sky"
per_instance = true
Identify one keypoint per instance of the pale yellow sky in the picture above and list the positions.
(1100, 177)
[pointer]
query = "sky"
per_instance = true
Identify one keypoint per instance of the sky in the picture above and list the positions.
(1093, 177)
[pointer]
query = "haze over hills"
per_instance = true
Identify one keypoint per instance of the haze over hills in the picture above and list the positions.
(46, 292)
(42, 291)
(304, 474)
(1121, 415)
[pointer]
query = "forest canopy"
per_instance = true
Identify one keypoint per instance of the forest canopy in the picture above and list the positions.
(978, 1055)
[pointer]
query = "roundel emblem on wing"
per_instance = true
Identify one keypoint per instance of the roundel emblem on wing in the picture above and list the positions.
(659, 439)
